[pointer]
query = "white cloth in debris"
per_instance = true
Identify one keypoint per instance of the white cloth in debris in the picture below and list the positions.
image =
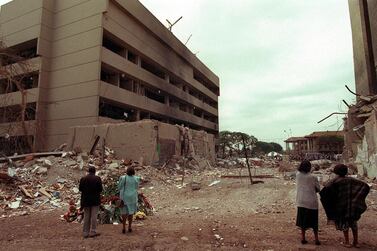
(307, 187)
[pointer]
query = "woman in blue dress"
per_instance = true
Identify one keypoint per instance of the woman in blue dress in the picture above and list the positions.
(128, 186)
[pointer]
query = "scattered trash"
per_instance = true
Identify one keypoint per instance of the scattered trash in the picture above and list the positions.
(15, 204)
(195, 185)
(214, 183)
(41, 170)
(11, 171)
(218, 237)
(140, 216)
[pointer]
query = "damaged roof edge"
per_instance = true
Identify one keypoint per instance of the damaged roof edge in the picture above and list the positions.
(144, 16)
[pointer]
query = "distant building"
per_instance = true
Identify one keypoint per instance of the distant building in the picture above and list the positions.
(96, 61)
(316, 145)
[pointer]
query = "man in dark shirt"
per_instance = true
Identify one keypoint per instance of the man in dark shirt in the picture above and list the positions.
(91, 188)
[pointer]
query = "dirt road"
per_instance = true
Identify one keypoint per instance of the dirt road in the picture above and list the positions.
(230, 215)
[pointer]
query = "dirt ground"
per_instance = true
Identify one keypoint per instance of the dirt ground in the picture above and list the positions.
(231, 215)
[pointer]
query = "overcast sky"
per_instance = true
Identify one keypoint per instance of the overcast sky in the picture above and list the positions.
(282, 64)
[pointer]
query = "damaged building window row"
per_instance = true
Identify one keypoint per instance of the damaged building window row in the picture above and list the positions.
(13, 113)
(115, 111)
(137, 86)
(207, 83)
(111, 44)
(25, 81)
(16, 144)
(19, 52)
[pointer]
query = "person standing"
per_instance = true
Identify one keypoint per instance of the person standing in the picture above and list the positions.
(91, 188)
(343, 199)
(128, 186)
(307, 186)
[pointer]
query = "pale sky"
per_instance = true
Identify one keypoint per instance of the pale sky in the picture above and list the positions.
(282, 64)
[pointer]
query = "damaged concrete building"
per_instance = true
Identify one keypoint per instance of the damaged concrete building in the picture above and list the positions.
(361, 122)
(99, 61)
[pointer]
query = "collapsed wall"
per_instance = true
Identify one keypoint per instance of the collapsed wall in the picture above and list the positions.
(361, 137)
(361, 121)
(153, 141)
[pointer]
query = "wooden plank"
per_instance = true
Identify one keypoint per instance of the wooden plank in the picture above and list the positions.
(26, 192)
(45, 193)
(22, 156)
(266, 176)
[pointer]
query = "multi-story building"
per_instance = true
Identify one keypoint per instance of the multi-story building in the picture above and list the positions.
(361, 122)
(96, 61)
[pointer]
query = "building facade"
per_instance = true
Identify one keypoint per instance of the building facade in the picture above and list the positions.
(361, 123)
(95, 61)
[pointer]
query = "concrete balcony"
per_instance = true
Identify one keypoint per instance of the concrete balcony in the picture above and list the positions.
(121, 64)
(143, 103)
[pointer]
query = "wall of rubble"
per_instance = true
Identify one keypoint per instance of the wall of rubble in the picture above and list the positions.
(366, 157)
(153, 141)
(361, 120)
(361, 139)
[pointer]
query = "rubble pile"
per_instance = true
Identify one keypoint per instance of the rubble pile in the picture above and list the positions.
(38, 183)
(253, 162)
(31, 188)
(180, 165)
(45, 183)
(34, 183)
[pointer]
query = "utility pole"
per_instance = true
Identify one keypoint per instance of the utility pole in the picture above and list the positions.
(247, 159)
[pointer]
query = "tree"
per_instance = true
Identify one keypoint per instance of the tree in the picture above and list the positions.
(276, 147)
(264, 147)
(231, 143)
(238, 139)
(225, 142)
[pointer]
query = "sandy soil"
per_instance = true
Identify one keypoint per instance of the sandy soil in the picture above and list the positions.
(231, 215)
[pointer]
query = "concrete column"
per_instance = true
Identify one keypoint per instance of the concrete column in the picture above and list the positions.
(167, 100)
(124, 53)
(137, 115)
(167, 77)
(117, 78)
(364, 63)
